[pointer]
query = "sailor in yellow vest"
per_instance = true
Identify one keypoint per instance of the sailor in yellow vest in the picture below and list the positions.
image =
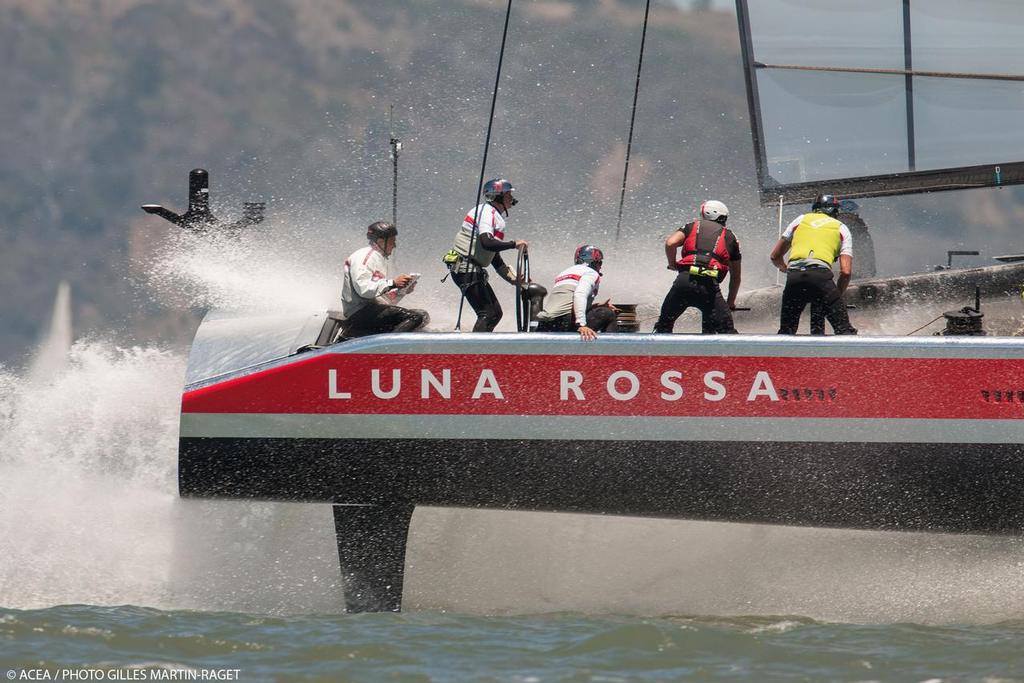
(815, 241)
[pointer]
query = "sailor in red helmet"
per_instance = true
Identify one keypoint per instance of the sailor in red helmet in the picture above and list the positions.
(368, 296)
(710, 251)
(478, 245)
(570, 306)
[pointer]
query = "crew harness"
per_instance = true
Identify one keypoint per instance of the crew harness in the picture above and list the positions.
(704, 256)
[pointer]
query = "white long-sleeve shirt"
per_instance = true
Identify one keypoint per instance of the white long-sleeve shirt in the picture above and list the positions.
(365, 280)
(574, 291)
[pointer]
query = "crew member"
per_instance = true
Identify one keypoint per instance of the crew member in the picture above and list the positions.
(710, 251)
(815, 240)
(863, 254)
(571, 303)
(477, 245)
(368, 297)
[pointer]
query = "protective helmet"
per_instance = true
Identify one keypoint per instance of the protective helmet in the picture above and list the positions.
(714, 210)
(826, 203)
(381, 230)
(588, 254)
(497, 187)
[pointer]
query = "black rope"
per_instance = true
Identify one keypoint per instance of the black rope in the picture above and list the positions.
(632, 119)
(483, 164)
(926, 324)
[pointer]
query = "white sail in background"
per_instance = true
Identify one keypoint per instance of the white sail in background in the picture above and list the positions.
(52, 354)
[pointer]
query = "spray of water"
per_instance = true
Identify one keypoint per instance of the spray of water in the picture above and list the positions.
(87, 469)
(88, 443)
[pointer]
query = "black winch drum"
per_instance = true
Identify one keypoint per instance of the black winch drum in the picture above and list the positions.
(627, 320)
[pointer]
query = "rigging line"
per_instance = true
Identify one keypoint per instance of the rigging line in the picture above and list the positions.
(926, 324)
(632, 119)
(483, 164)
(893, 72)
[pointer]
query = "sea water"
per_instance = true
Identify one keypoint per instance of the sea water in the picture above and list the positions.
(138, 643)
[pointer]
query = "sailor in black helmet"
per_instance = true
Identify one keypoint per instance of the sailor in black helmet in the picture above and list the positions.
(815, 240)
(570, 307)
(474, 250)
(368, 297)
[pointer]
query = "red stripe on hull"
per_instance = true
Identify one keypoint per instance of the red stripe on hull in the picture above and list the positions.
(533, 385)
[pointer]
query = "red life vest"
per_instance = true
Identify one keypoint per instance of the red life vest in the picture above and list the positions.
(705, 248)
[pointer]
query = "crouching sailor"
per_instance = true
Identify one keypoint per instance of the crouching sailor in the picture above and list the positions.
(710, 251)
(477, 245)
(570, 306)
(368, 297)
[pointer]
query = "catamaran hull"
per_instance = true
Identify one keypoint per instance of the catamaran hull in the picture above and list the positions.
(855, 433)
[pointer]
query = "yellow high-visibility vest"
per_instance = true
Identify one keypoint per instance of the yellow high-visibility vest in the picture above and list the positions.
(817, 237)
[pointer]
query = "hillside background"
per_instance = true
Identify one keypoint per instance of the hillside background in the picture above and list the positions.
(107, 104)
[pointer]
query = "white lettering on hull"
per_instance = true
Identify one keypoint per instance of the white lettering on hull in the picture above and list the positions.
(488, 384)
(332, 386)
(570, 381)
(443, 386)
(763, 386)
(675, 390)
(396, 384)
(620, 385)
(717, 389)
(629, 394)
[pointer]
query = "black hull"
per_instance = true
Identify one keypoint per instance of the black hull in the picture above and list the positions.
(963, 488)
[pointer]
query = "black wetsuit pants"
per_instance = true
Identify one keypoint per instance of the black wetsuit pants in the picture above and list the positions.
(481, 297)
(599, 319)
(377, 318)
(813, 285)
(702, 293)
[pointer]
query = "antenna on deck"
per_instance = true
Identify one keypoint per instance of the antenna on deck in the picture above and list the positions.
(396, 147)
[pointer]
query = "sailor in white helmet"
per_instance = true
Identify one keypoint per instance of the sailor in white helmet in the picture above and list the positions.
(709, 252)
(368, 296)
(477, 245)
(570, 307)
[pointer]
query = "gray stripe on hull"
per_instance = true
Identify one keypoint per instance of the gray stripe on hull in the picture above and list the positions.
(774, 346)
(548, 427)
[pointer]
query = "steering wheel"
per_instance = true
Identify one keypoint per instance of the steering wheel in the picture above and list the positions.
(522, 300)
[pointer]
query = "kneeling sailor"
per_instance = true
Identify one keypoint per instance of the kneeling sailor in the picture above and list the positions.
(368, 297)
(570, 305)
